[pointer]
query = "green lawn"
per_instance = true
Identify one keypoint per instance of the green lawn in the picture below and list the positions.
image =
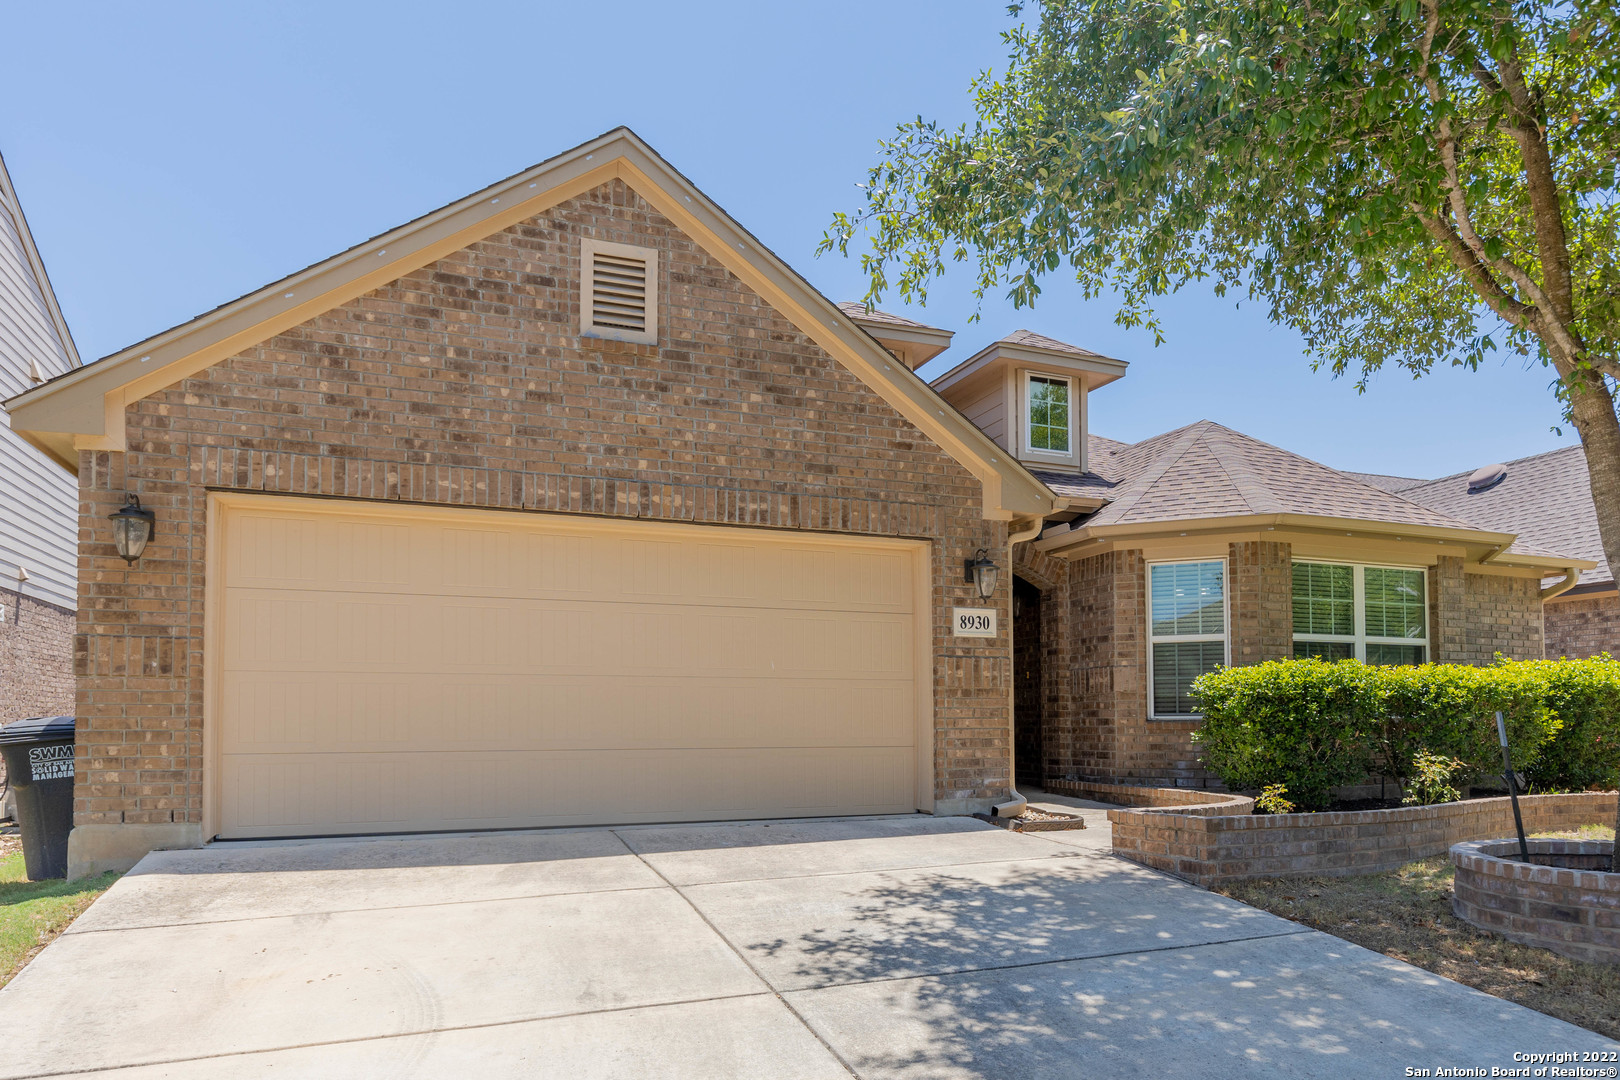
(32, 913)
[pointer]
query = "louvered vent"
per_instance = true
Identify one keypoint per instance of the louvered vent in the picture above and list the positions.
(620, 292)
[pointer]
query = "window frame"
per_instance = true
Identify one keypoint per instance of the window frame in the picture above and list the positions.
(1028, 415)
(1170, 639)
(1360, 639)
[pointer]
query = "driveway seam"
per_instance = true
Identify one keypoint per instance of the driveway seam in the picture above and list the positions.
(1047, 963)
(715, 930)
(397, 1035)
(1076, 854)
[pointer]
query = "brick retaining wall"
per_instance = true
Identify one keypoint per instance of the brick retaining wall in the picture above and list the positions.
(1208, 846)
(1182, 800)
(1575, 913)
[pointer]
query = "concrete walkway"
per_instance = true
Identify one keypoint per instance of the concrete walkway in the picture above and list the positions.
(880, 947)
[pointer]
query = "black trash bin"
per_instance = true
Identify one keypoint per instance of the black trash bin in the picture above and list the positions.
(39, 768)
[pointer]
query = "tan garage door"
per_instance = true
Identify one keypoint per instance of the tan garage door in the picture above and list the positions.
(386, 670)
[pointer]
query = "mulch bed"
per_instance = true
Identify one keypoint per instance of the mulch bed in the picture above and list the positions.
(1036, 820)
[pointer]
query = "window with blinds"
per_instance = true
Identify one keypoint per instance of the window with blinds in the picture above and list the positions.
(1376, 614)
(618, 292)
(1186, 631)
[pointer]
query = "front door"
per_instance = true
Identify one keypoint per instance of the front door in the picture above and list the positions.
(1029, 751)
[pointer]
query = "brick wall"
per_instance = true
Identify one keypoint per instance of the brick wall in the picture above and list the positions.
(1475, 616)
(1058, 639)
(36, 658)
(1569, 903)
(36, 662)
(466, 383)
(1582, 626)
(1207, 849)
(1260, 580)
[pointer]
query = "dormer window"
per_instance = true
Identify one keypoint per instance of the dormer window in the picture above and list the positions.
(1050, 417)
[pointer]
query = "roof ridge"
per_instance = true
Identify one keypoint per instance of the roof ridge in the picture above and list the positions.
(1259, 495)
(1139, 484)
(1512, 461)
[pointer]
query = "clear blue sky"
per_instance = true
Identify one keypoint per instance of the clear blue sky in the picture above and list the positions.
(171, 157)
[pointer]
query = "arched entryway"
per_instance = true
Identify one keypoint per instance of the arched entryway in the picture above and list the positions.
(1029, 748)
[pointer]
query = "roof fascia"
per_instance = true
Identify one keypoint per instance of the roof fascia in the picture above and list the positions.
(1493, 543)
(1104, 369)
(84, 409)
(928, 343)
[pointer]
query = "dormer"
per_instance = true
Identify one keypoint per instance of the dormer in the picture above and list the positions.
(912, 343)
(1028, 393)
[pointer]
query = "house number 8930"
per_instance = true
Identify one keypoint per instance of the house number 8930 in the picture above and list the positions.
(974, 622)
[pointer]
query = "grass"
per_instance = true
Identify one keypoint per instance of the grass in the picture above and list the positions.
(32, 913)
(1406, 914)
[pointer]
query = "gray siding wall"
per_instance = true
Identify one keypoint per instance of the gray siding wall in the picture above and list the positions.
(39, 500)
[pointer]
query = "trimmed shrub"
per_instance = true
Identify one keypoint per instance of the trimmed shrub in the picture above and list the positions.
(1585, 753)
(1313, 726)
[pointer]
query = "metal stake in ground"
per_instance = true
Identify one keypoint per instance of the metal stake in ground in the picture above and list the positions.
(1513, 787)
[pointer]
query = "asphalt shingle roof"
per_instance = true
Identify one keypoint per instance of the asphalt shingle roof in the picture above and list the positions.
(1546, 500)
(1031, 340)
(857, 310)
(1386, 481)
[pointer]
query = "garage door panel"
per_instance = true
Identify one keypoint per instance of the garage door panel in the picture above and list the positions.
(278, 796)
(390, 670)
(321, 713)
(340, 631)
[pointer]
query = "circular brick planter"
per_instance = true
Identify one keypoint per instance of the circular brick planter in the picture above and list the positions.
(1563, 899)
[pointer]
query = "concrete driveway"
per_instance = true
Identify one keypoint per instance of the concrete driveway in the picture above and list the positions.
(878, 947)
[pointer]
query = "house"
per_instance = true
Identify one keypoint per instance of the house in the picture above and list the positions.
(1546, 499)
(38, 501)
(1204, 547)
(571, 503)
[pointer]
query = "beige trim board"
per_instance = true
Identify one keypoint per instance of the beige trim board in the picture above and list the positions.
(74, 411)
(97, 849)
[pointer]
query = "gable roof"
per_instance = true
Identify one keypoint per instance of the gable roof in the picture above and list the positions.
(1546, 499)
(1211, 474)
(31, 317)
(84, 409)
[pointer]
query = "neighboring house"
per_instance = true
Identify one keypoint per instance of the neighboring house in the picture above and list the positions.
(39, 503)
(571, 503)
(1547, 500)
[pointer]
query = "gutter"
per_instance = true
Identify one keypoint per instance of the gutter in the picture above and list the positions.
(1015, 803)
(1572, 574)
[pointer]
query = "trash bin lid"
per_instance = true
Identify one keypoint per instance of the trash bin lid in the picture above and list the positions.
(37, 729)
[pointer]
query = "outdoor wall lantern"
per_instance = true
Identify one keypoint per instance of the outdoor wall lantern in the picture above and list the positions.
(983, 573)
(132, 528)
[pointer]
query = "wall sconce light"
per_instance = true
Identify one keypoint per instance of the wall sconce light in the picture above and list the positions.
(982, 572)
(132, 528)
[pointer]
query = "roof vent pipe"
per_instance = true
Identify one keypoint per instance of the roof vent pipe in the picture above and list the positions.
(1485, 478)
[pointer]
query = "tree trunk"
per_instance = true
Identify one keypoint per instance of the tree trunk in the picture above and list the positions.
(1592, 409)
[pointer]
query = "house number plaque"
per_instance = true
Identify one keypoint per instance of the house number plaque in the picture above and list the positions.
(974, 621)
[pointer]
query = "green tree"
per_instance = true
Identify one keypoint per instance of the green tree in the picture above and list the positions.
(1406, 183)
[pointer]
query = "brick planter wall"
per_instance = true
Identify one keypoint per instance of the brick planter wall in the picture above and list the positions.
(1575, 913)
(1207, 847)
(1183, 800)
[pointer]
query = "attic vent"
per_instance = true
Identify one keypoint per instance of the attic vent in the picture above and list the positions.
(619, 293)
(1485, 478)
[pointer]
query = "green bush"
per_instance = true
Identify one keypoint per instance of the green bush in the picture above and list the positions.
(1585, 753)
(1313, 726)
(1434, 779)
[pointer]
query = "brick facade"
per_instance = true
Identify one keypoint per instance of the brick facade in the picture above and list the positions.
(1583, 625)
(36, 658)
(1475, 616)
(1096, 717)
(466, 383)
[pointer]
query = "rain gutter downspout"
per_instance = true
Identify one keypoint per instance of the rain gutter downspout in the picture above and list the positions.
(1571, 576)
(1015, 803)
